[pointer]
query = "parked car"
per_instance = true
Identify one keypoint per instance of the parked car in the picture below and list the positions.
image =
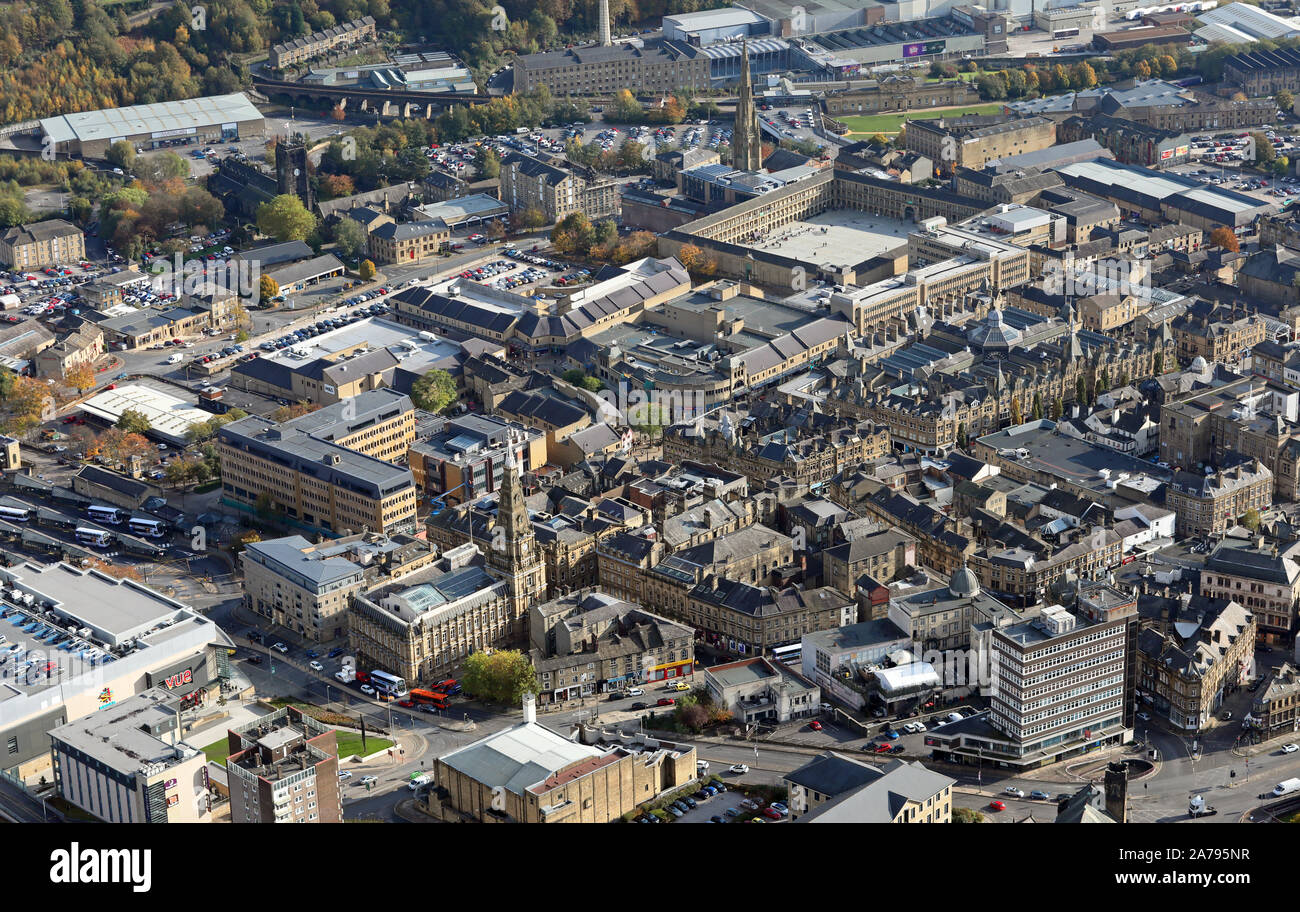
(281, 648)
(345, 774)
(315, 666)
(666, 701)
(815, 726)
(367, 780)
(640, 706)
(635, 692)
(1013, 791)
(732, 812)
(771, 813)
(1040, 795)
(672, 810)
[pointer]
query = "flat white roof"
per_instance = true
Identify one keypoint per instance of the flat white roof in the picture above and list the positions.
(374, 333)
(184, 115)
(168, 415)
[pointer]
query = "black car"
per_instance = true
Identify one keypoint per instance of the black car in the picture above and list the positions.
(616, 695)
(897, 749)
(716, 818)
(255, 659)
(639, 706)
(336, 651)
(255, 636)
(1063, 796)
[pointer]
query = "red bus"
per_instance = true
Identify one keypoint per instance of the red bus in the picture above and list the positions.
(429, 698)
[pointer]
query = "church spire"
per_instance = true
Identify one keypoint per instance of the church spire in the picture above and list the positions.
(746, 142)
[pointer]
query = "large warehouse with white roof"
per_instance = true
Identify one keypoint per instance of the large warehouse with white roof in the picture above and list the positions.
(1159, 196)
(217, 118)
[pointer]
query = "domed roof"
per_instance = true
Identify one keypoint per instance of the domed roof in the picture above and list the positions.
(1199, 365)
(964, 583)
(994, 333)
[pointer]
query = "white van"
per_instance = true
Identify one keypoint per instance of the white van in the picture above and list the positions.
(174, 359)
(416, 783)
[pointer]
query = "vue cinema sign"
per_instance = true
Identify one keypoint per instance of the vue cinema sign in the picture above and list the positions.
(180, 679)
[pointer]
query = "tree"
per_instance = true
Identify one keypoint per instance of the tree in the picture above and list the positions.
(434, 391)
(1081, 390)
(488, 163)
(120, 446)
(1037, 412)
(530, 218)
(350, 238)
(692, 714)
(122, 154)
(1285, 101)
(962, 438)
(268, 288)
(1159, 363)
(24, 400)
(251, 537)
(297, 410)
(133, 422)
(1058, 408)
(1250, 519)
(1017, 416)
(966, 815)
(1224, 237)
(504, 676)
(285, 218)
(366, 270)
(1264, 151)
(80, 378)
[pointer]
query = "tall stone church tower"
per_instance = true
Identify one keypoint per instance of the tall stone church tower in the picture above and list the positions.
(746, 141)
(513, 550)
(291, 170)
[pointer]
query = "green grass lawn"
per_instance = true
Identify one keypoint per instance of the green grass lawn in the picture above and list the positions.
(350, 743)
(869, 124)
(218, 751)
